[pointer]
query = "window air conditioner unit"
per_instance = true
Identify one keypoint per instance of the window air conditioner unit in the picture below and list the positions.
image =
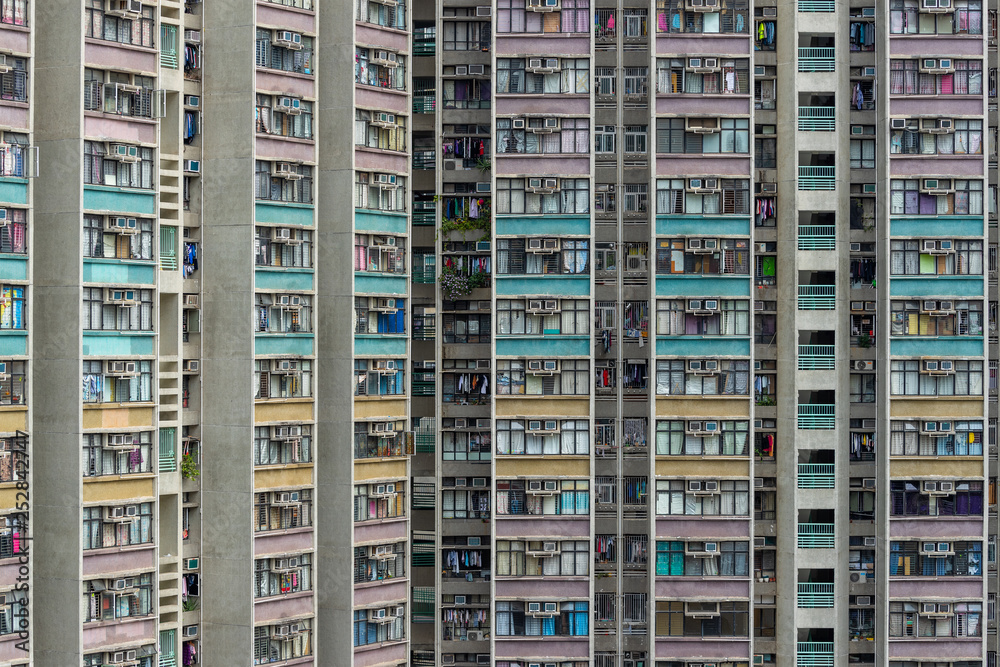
(129, 9)
(702, 246)
(381, 428)
(191, 365)
(286, 498)
(475, 635)
(383, 304)
(702, 427)
(545, 246)
(936, 6)
(285, 170)
(461, 70)
(289, 105)
(123, 153)
(482, 364)
(484, 11)
(543, 5)
(121, 368)
(385, 59)
(702, 306)
(768, 188)
(384, 181)
(702, 64)
(868, 483)
(702, 185)
(870, 541)
(121, 297)
(190, 563)
(192, 101)
(548, 549)
(384, 242)
(897, 123)
(937, 549)
(477, 70)
(517, 123)
(864, 600)
(701, 609)
(192, 166)
(120, 441)
(191, 300)
(939, 125)
(386, 366)
(543, 366)
(543, 185)
(288, 39)
(860, 365)
(702, 125)
(543, 65)
(116, 514)
(543, 305)
(285, 366)
(190, 630)
(121, 224)
(936, 65)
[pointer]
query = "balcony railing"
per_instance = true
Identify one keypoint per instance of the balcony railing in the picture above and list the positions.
(816, 59)
(816, 535)
(816, 476)
(423, 160)
(814, 654)
(816, 5)
(817, 178)
(423, 104)
(812, 596)
(816, 357)
(817, 297)
(816, 416)
(817, 237)
(425, 276)
(816, 119)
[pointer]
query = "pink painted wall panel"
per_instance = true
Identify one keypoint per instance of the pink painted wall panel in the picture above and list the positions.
(555, 527)
(541, 104)
(9, 649)
(937, 44)
(690, 587)
(379, 160)
(114, 128)
(953, 528)
(369, 97)
(389, 530)
(9, 572)
(119, 633)
(702, 45)
(549, 45)
(702, 528)
(12, 39)
(109, 55)
(266, 543)
(117, 561)
(948, 105)
(275, 609)
(388, 39)
(272, 148)
(939, 165)
(14, 115)
(544, 587)
(364, 656)
(280, 17)
(671, 648)
(703, 104)
(700, 165)
(954, 587)
(286, 83)
(542, 166)
(549, 648)
(941, 649)
(381, 593)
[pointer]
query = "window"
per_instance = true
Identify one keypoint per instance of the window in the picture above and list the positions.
(377, 13)
(373, 626)
(281, 575)
(520, 558)
(730, 559)
(459, 503)
(911, 619)
(116, 237)
(98, 25)
(516, 377)
(115, 454)
(563, 256)
(14, 233)
(286, 58)
(567, 619)
(284, 116)
(379, 254)
(382, 69)
(121, 165)
(676, 76)
(567, 195)
(674, 378)
(674, 319)
(13, 534)
(568, 437)
(120, 93)
(379, 377)
(732, 197)
(729, 135)
(125, 597)
(910, 258)
(283, 181)
(936, 318)
(906, 439)
(122, 526)
(465, 35)
(922, 498)
(863, 153)
(906, 78)
(376, 501)
(697, 497)
(116, 381)
(282, 378)
(572, 136)
(289, 247)
(573, 16)
(469, 443)
(702, 619)
(278, 643)
(965, 138)
(14, 12)
(680, 438)
(906, 378)
(379, 562)
(604, 138)
(282, 445)
(956, 559)
(379, 315)
(905, 17)
(677, 16)
(525, 318)
(275, 510)
(378, 129)
(103, 311)
(635, 138)
(283, 313)
(543, 497)
(571, 76)
(380, 192)
(705, 257)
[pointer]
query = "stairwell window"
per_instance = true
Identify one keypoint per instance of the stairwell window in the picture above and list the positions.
(121, 165)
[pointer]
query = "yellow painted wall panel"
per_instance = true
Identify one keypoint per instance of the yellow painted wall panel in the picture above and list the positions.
(278, 478)
(708, 467)
(117, 417)
(721, 408)
(548, 406)
(376, 469)
(373, 409)
(8, 496)
(267, 411)
(950, 467)
(13, 420)
(115, 489)
(935, 408)
(552, 466)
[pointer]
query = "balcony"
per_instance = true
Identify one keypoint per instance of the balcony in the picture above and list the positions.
(816, 357)
(425, 275)
(423, 159)
(816, 5)
(816, 119)
(817, 297)
(817, 58)
(815, 596)
(817, 178)
(423, 103)
(817, 237)
(816, 476)
(816, 536)
(812, 416)
(814, 654)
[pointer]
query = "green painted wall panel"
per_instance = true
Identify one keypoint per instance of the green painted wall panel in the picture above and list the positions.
(379, 346)
(543, 225)
(703, 286)
(936, 225)
(14, 191)
(706, 225)
(292, 345)
(13, 343)
(380, 221)
(947, 348)
(292, 280)
(284, 213)
(366, 283)
(956, 286)
(692, 346)
(542, 286)
(118, 272)
(119, 200)
(13, 267)
(547, 346)
(112, 344)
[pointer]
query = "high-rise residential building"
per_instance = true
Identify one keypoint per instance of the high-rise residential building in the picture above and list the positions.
(540, 333)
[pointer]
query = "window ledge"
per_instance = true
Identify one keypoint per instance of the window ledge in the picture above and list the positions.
(283, 596)
(708, 517)
(114, 550)
(116, 260)
(378, 582)
(286, 269)
(119, 116)
(287, 334)
(366, 24)
(103, 479)
(382, 88)
(117, 188)
(308, 141)
(284, 466)
(379, 151)
(152, 50)
(293, 399)
(283, 7)
(281, 72)
(568, 397)
(127, 404)
(371, 398)
(278, 202)
(378, 522)
(120, 621)
(115, 332)
(285, 531)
